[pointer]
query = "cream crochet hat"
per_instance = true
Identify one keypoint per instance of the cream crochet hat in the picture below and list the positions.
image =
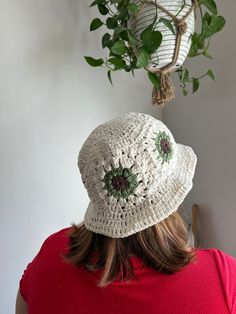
(135, 174)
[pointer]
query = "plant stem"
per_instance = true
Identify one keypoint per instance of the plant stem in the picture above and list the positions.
(198, 78)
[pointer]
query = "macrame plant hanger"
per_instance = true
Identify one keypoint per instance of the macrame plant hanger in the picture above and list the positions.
(166, 92)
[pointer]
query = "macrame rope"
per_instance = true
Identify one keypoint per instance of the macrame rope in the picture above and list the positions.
(181, 28)
(167, 91)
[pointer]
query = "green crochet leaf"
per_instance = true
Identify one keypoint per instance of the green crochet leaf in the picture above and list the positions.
(120, 182)
(164, 146)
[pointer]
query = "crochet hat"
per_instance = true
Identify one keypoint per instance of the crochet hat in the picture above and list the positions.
(135, 174)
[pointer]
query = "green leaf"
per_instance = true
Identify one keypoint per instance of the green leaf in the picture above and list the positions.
(96, 2)
(132, 7)
(154, 79)
(119, 47)
(111, 23)
(212, 24)
(206, 54)
(185, 92)
(210, 5)
(198, 41)
(131, 38)
(124, 35)
(96, 23)
(167, 24)
(117, 62)
(195, 85)
(219, 21)
(103, 9)
(109, 76)
(185, 76)
(151, 40)
(143, 59)
(211, 74)
(123, 15)
(117, 31)
(94, 62)
(106, 40)
(197, 44)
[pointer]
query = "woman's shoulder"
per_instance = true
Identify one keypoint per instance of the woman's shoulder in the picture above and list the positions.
(222, 261)
(226, 266)
(218, 265)
(217, 254)
(59, 234)
(56, 239)
(49, 250)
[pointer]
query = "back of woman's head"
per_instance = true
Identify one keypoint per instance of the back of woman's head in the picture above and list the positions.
(163, 247)
(136, 176)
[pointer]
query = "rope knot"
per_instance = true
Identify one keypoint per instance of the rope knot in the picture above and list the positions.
(166, 92)
(181, 27)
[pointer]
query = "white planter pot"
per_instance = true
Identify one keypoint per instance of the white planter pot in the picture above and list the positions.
(164, 54)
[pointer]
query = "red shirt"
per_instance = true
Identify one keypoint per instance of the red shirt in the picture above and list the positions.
(51, 286)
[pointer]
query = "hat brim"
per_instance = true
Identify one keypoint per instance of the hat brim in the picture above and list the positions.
(173, 192)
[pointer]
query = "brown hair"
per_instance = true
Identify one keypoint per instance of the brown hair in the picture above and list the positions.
(163, 246)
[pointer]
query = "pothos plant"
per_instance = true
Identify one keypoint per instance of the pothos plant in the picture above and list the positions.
(126, 53)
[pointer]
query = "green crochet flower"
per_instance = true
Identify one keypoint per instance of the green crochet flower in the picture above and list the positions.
(164, 146)
(120, 182)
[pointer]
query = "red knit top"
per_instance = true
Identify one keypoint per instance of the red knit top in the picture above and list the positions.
(51, 286)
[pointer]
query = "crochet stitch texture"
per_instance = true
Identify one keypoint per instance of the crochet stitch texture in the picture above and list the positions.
(135, 174)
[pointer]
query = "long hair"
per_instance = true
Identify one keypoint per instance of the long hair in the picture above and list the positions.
(163, 247)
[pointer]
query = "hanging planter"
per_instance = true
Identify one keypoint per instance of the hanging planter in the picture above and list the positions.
(176, 30)
(156, 35)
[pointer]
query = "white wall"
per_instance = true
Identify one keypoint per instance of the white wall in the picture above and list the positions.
(50, 100)
(206, 121)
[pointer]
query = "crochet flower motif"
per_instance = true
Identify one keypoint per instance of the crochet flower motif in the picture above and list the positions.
(120, 182)
(164, 146)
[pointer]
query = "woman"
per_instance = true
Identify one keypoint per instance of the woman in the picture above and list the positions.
(131, 253)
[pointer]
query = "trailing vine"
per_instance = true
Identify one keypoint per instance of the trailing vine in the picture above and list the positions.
(124, 49)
